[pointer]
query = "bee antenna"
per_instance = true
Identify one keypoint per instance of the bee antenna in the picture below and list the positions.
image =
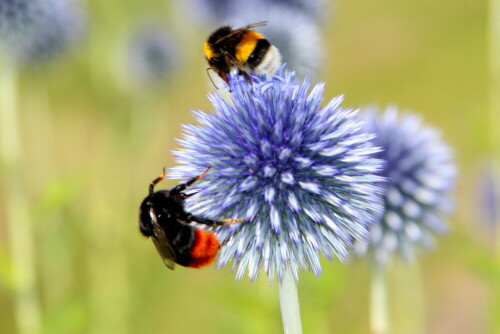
(210, 77)
(156, 181)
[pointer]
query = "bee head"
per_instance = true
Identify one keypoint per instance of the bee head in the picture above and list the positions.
(148, 211)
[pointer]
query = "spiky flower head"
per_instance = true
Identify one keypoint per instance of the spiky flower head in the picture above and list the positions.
(152, 54)
(35, 30)
(303, 176)
(420, 176)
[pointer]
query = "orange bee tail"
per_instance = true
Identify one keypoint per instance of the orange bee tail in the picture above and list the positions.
(204, 250)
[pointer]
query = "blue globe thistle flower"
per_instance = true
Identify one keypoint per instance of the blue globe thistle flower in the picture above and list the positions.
(316, 9)
(296, 35)
(217, 11)
(33, 31)
(420, 173)
(152, 54)
(303, 176)
(488, 197)
(209, 12)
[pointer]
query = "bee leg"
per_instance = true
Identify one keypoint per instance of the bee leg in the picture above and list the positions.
(177, 189)
(156, 181)
(210, 77)
(245, 75)
(224, 77)
(210, 222)
(239, 65)
(184, 196)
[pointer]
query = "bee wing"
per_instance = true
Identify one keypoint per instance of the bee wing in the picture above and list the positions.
(236, 31)
(164, 247)
(161, 242)
(253, 25)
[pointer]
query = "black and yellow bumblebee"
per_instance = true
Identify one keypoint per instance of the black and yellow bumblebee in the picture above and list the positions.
(163, 219)
(242, 49)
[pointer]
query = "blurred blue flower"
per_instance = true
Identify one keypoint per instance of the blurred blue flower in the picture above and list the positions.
(153, 54)
(33, 31)
(316, 9)
(220, 11)
(303, 176)
(488, 197)
(209, 12)
(421, 175)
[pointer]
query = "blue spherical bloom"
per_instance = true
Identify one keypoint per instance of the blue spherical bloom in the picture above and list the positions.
(209, 12)
(316, 9)
(488, 197)
(153, 54)
(217, 11)
(420, 173)
(303, 176)
(33, 31)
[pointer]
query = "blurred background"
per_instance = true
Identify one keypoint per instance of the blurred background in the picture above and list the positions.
(96, 122)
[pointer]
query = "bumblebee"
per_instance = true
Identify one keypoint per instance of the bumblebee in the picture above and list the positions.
(163, 219)
(241, 49)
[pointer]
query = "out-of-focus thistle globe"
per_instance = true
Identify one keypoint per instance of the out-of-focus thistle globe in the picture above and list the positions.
(296, 35)
(210, 12)
(316, 9)
(303, 176)
(488, 197)
(32, 31)
(152, 55)
(420, 174)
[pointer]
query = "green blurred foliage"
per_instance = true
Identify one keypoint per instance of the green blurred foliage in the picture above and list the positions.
(92, 142)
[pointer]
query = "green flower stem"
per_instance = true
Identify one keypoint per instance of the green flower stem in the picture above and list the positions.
(20, 234)
(289, 302)
(379, 313)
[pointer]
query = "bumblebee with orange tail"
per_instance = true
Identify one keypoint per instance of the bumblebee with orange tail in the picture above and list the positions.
(163, 218)
(243, 50)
